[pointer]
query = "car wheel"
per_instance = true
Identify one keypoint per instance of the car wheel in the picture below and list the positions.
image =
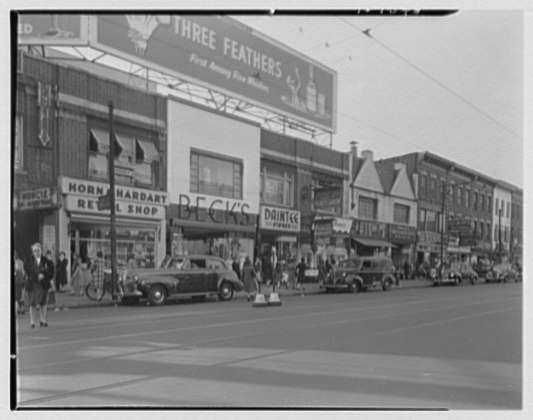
(386, 285)
(226, 291)
(356, 287)
(157, 295)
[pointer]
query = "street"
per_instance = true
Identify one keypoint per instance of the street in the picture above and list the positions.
(456, 347)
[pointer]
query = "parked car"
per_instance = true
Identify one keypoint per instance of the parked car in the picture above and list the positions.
(356, 274)
(482, 267)
(456, 273)
(196, 276)
(504, 272)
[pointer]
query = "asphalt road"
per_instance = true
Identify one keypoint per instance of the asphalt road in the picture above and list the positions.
(457, 347)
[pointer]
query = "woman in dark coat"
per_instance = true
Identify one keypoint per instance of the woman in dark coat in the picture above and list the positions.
(40, 274)
(61, 273)
(248, 278)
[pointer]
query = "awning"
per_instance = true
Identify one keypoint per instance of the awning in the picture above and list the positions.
(102, 140)
(127, 144)
(376, 243)
(150, 153)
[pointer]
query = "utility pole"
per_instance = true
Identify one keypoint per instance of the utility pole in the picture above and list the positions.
(500, 234)
(113, 209)
(443, 208)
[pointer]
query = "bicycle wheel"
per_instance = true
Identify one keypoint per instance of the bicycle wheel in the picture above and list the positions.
(92, 292)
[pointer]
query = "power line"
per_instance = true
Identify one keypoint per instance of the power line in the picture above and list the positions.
(367, 32)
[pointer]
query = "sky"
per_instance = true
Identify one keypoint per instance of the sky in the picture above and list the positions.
(449, 85)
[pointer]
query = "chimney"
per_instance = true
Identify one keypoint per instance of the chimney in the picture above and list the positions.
(367, 154)
(353, 148)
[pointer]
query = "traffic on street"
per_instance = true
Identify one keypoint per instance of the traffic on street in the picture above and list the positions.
(447, 348)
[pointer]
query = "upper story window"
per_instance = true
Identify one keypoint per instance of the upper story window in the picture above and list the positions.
(476, 198)
(489, 203)
(423, 186)
(401, 213)
(135, 159)
(215, 175)
(367, 208)
(18, 162)
(277, 185)
(508, 212)
(496, 207)
(459, 200)
(467, 199)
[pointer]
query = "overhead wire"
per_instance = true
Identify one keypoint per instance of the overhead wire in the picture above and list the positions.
(367, 33)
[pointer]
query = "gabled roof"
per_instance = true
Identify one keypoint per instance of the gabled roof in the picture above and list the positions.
(388, 176)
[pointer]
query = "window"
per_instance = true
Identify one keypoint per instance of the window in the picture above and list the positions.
(422, 220)
(19, 161)
(367, 208)
(467, 199)
(459, 200)
(507, 209)
(277, 186)
(489, 202)
(496, 232)
(481, 230)
(496, 207)
(432, 194)
(476, 197)
(215, 176)
(452, 194)
(401, 213)
(431, 221)
(487, 231)
(423, 183)
(482, 202)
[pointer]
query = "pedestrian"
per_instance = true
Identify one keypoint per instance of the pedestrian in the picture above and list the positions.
(291, 268)
(40, 279)
(406, 270)
(267, 269)
(249, 279)
(61, 273)
(300, 274)
(76, 276)
(235, 266)
(278, 274)
(97, 272)
(20, 284)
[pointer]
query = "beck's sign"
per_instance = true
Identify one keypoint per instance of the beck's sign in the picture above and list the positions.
(275, 218)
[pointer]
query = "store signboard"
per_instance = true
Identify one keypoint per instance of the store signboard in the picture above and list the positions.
(328, 200)
(275, 218)
(82, 196)
(223, 54)
(52, 29)
(400, 234)
(36, 199)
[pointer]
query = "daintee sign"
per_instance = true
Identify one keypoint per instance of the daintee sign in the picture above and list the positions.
(221, 53)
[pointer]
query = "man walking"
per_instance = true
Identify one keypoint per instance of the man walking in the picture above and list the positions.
(40, 273)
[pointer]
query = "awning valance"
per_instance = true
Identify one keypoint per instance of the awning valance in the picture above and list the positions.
(127, 144)
(102, 140)
(149, 151)
(375, 243)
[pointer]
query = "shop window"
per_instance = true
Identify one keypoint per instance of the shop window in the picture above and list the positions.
(18, 162)
(401, 213)
(367, 208)
(214, 175)
(277, 186)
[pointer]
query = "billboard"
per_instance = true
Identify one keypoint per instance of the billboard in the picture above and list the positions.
(220, 53)
(52, 29)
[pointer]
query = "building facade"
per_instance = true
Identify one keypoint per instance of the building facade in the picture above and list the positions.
(501, 220)
(61, 165)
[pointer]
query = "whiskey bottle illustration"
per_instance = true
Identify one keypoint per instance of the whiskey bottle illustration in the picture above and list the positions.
(310, 91)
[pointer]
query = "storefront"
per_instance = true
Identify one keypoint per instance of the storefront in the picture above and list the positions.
(404, 238)
(332, 237)
(211, 226)
(34, 215)
(278, 233)
(140, 223)
(370, 238)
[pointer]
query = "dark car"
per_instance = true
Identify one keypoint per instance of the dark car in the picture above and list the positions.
(196, 276)
(504, 272)
(457, 273)
(359, 273)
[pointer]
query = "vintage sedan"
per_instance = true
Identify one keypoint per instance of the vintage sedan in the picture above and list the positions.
(195, 276)
(456, 273)
(504, 272)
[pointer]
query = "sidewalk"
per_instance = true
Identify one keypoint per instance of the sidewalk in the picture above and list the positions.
(66, 301)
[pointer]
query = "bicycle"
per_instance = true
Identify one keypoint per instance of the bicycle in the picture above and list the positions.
(91, 290)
